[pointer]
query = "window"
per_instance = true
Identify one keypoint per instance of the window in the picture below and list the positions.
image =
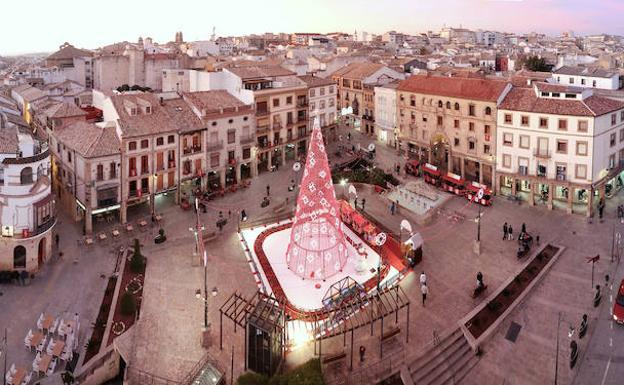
(562, 146)
(507, 118)
(506, 160)
(612, 139)
(413, 101)
(448, 105)
(456, 106)
(313, 92)
(214, 123)
(470, 126)
(144, 143)
(231, 121)
(19, 257)
(622, 116)
(322, 91)
(456, 142)
(621, 134)
(322, 104)
(471, 110)
(1, 176)
(582, 126)
(148, 110)
(99, 175)
(160, 141)
(486, 149)
(581, 148)
(246, 153)
(456, 123)
(524, 141)
(144, 165)
(507, 139)
(231, 136)
(275, 102)
(424, 118)
(524, 120)
(562, 124)
(488, 111)
(439, 103)
(439, 121)
(612, 161)
(486, 129)
(593, 83)
(312, 106)
(471, 145)
(113, 170)
(543, 123)
(214, 160)
(583, 81)
(560, 170)
(132, 146)
(571, 80)
(613, 119)
(331, 89)
(69, 157)
(26, 175)
(331, 102)
(580, 171)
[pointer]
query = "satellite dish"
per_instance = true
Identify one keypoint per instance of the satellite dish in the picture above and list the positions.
(352, 190)
(380, 239)
(480, 194)
(297, 166)
(371, 147)
(405, 225)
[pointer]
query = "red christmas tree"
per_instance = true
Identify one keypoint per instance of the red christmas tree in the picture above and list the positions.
(317, 248)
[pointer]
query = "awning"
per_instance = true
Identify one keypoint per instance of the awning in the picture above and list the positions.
(359, 220)
(415, 241)
(370, 229)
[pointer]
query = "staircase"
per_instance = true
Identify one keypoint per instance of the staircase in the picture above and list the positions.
(447, 363)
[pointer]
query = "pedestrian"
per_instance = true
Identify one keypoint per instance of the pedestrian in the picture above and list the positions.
(392, 208)
(268, 188)
(523, 229)
(349, 136)
(510, 231)
(398, 168)
(537, 238)
(362, 353)
(57, 240)
(220, 214)
(363, 203)
(505, 231)
(423, 278)
(480, 280)
(353, 148)
(229, 213)
(243, 215)
(424, 290)
(355, 202)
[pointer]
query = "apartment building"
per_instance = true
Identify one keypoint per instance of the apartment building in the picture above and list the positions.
(558, 145)
(451, 123)
(321, 100)
(587, 77)
(356, 84)
(86, 170)
(72, 64)
(386, 113)
(27, 211)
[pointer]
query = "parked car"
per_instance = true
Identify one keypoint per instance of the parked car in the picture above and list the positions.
(618, 306)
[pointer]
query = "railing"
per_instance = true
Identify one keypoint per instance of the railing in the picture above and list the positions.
(545, 154)
(262, 129)
(277, 126)
(301, 104)
(262, 112)
(212, 146)
(247, 139)
(135, 193)
(191, 150)
(39, 230)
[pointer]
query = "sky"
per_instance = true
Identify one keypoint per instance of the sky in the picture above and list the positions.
(43, 25)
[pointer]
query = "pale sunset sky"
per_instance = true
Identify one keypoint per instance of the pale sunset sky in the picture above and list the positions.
(43, 25)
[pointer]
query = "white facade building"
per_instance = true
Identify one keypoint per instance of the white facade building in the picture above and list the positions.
(557, 145)
(587, 77)
(386, 113)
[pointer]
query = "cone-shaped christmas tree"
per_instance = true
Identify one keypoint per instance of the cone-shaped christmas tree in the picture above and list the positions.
(317, 248)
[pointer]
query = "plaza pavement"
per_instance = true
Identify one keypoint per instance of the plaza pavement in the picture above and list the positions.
(167, 336)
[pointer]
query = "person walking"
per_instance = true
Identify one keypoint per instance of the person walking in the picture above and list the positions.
(510, 232)
(392, 208)
(355, 203)
(505, 231)
(363, 203)
(424, 290)
(362, 353)
(243, 215)
(523, 229)
(57, 240)
(268, 188)
(423, 278)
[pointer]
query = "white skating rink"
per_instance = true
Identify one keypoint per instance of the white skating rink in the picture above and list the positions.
(303, 293)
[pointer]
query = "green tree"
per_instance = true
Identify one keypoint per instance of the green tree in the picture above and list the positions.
(534, 63)
(128, 304)
(137, 262)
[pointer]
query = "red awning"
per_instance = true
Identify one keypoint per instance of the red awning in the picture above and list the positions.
(359, 220)
(413, 163)
(452, 180)
(431, 171)
(370, 229)
(346, 208)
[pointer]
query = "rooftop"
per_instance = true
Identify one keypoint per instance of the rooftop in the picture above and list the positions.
(258, 72)
(465, 88)
(68, 51)
(585, 71)
(315, 81)
(358, 70)
(209, 102)
(142, 123)
(89, 140)
(9, 142)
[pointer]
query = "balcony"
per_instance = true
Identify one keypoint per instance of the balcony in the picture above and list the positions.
(132, 172)
(543, 154)
(277, 126)
(247, 139)
(191, 150)
(302, 103)
(262, 129)
(263, 112)
(172, 164)
(214, 146)
(289, 123)
(135, 193)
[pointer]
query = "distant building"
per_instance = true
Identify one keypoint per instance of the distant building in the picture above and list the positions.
(73, 64)
(588, 77)
(386, 113)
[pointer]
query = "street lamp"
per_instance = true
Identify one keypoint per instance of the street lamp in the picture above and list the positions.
(570, 335)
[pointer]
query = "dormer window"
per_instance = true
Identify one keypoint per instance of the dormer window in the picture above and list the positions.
(570, 96)
(148, 109)
(555, 94)
(133, 111)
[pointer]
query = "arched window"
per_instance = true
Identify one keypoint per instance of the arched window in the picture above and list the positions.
(19, 257)
(440, 104)
(488, 111)
(40, 171)
(456, 106)
(26, 176)
(448, 105)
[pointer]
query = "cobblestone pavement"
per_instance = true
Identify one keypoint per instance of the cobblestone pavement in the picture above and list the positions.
(167, 340)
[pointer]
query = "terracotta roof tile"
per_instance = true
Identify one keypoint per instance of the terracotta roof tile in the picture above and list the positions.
(358, 70)
(9, 142)
(89, 140)
(253, 72)
(315, 81)
(465, 88)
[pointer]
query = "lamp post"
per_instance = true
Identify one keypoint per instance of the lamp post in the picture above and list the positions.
(201, 250)
(570, 334)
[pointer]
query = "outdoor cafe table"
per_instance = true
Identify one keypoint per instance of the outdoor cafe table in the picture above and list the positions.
(129, 227)
(58, 348)
(88, 241)
(47, 321)
(115, 233)
(36, 339)
(143, 223)
(44, 364)
(18, 377)
(102, 236)
(66, 328)
(158, 217)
